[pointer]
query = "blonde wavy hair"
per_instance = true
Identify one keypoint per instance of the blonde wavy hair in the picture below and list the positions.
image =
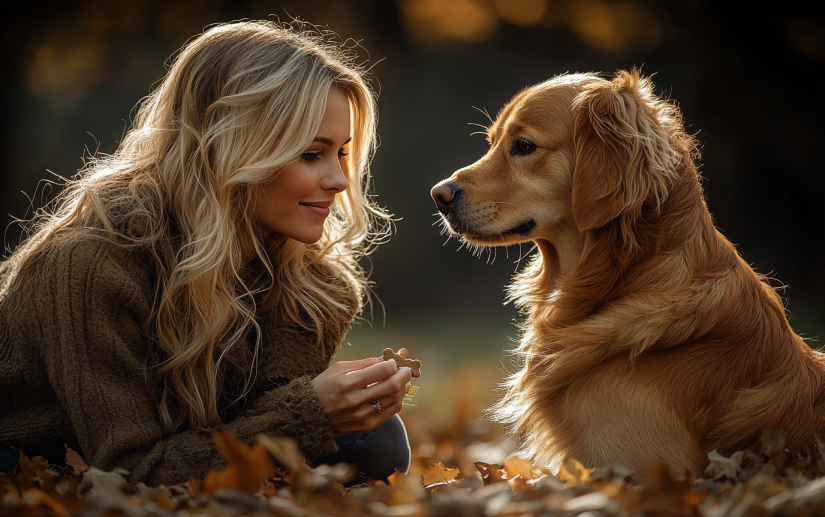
(239, 103)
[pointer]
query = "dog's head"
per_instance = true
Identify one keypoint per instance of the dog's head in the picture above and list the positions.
(566, 156)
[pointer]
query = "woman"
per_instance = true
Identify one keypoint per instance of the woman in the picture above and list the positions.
(203, 275)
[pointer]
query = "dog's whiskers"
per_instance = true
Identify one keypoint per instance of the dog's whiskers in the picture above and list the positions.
(485, 113)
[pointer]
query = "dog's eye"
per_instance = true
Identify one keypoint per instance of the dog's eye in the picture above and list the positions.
(522, 146)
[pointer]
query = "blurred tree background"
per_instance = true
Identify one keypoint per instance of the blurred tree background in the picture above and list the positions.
(747, 76)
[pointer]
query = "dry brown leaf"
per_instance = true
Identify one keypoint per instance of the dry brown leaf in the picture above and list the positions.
(438, 474)
(248, 466)
(573, 473)
(721, 466)
(491, 473)
(518, 484)
(666, 495)
(517, 466)
(34, 472)
(395, 478)
(284, 449)
(75, 461)
(34, 496)
(405, 490)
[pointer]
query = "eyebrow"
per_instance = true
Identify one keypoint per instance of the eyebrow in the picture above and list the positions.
(328, 141)
(514, 129)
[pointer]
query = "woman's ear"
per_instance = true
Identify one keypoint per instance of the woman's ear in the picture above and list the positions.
(624, 156)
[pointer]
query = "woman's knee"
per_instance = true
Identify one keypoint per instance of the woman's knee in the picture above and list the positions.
(392, 441)
(377, 453)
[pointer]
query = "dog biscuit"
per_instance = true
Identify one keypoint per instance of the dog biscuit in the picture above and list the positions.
(412, 364)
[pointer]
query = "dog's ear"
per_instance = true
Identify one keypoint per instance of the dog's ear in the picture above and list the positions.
(624, 156)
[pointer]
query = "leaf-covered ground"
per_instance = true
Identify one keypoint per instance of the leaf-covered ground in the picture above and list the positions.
(461, 467)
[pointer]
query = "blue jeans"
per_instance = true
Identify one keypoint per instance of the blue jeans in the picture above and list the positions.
(377, 453)
(8, 459)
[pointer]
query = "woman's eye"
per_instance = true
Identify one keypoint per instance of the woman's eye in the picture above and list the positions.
(343, 152)
(522, 146)
(310, 157)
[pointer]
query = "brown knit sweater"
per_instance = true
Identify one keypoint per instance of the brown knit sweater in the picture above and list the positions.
(72, 355)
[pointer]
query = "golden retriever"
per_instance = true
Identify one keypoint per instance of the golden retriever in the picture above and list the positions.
(646, 337)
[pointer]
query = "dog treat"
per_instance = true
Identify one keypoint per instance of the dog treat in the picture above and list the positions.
(401, 361)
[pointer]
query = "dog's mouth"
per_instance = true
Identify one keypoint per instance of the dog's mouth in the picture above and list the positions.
(473, 233)
(522, 229)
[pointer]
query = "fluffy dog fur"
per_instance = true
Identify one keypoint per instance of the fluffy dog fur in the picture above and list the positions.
(646, 337)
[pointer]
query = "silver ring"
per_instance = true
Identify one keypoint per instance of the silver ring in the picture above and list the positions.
(377, 406)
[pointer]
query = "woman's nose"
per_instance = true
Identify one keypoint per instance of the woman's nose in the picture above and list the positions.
(335, 180)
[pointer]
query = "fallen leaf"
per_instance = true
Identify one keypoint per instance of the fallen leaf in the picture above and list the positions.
(587, 503)
(34, 472)
(75, 461)
(666, 495)
(721, 466)
(491, 473)
(517, 466)
(614, 473)
(248, 466)
(98, 481)
(396, 477)
(573, 473)
(34, 496)
(284, 449)
(518, 484)
(438, 475)
(405, 490)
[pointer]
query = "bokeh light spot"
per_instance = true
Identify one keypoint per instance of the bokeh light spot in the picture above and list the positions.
(521, 12)
(612, 26)
(60, 70)
(470, 21)
(467, 20)
(421, 9)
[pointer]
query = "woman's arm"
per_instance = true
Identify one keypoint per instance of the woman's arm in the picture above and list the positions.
(292, 410)
(95, 300)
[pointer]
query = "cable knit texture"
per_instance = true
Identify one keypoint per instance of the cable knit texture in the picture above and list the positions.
(72, 356)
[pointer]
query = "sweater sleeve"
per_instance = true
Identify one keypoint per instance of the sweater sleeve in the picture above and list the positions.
(95, 363)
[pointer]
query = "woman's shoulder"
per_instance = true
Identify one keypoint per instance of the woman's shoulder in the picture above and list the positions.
(71, 264)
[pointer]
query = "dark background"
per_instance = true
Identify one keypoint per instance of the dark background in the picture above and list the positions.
(748, 78)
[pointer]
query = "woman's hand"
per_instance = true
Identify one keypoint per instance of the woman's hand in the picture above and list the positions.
(348, 391)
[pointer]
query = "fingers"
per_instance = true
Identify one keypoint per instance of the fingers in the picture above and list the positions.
(390, 388)
(360, 364)
(365, 415)
(389, 411)
(371, 416)
(371, 374)
(403, 352)
(395, 398)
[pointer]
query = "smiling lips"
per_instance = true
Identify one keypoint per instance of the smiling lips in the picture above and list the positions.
(320, 208)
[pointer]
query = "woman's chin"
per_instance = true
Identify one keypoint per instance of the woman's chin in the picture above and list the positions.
(307, 236)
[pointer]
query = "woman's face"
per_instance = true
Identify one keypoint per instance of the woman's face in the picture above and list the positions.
(297, 202)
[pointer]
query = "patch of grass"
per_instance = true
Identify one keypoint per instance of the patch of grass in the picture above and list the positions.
(463, 358)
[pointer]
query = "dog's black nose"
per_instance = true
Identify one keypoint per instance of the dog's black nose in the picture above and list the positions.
(445, 196)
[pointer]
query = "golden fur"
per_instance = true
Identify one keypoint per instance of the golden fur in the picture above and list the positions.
(646, 338)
